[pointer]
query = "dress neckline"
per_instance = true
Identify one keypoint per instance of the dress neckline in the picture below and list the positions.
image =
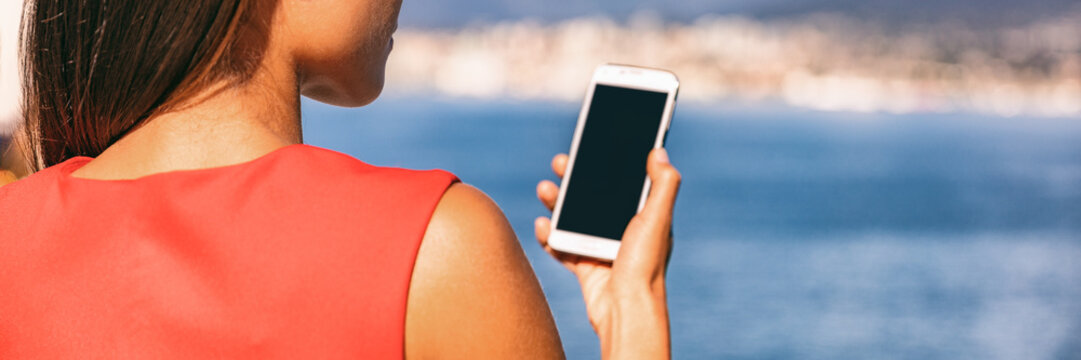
(69, 166)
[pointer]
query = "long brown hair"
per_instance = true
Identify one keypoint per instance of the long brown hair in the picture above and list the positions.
(96, 69)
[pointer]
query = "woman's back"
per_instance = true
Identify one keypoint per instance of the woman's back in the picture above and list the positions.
(259, 259)
(301, 253)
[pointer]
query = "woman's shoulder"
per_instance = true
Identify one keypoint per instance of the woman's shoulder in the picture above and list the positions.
(318, 182)
(473, 292)
(302, 180)
(35, 186)
(328, 166)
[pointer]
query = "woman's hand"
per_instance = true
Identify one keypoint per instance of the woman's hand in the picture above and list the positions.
(626, 299)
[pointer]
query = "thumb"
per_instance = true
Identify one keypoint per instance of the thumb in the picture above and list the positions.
(666, 180)
(646, 243)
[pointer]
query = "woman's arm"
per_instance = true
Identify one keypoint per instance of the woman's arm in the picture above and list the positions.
(626, 299)
(473, 293)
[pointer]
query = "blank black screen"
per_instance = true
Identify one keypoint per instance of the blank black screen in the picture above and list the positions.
(610, 168)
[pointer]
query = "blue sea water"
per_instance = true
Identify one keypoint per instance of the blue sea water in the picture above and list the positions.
(799, 234)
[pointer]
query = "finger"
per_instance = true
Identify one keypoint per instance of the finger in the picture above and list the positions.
(542, 227)
(547, 192)
(646, 242)
(665, 183)
(559, 164)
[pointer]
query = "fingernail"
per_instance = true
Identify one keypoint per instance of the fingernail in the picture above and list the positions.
(662, 155)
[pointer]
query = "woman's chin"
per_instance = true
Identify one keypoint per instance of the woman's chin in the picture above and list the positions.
(349, 83)
(355, 96)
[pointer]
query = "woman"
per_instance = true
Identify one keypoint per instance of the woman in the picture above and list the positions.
(175, 213)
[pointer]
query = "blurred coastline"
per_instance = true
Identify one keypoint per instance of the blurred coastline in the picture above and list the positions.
(821, 61)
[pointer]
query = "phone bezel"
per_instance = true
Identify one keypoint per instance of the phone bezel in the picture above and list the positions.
(625, 76)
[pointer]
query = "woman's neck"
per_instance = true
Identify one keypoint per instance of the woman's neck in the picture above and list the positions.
(224, 127)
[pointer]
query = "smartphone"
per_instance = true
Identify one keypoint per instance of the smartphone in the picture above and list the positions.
(626, 114)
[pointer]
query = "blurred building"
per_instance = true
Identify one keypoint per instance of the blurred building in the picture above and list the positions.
(819, 61)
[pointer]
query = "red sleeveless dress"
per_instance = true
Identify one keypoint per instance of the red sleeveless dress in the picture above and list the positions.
(303, 253)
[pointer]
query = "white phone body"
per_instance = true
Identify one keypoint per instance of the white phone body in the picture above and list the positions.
(620, 76)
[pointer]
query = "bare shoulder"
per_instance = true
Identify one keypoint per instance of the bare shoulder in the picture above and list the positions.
(465, 209)
(473, 292)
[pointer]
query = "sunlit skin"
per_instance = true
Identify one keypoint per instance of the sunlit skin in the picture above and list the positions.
(473, 293)
(6, 177)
